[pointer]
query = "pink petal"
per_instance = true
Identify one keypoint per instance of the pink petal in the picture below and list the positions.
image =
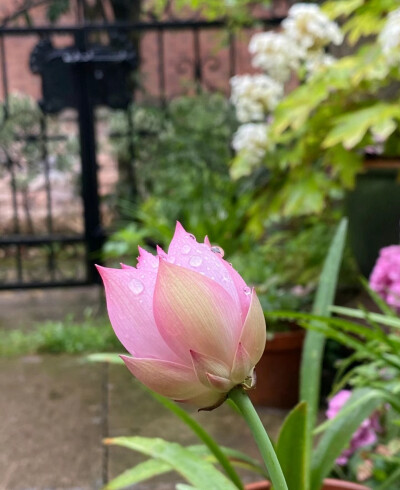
(186, 252)
(207, 400)
(193, 312)
(129, 295)
(167, 378)
(254, 333)
(243, 291)
(125, 266)
(204, 364)
(161, 252)
(223, 385)
(147, 261)
(242, 365)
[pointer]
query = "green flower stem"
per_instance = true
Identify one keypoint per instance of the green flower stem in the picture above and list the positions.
(242, 401)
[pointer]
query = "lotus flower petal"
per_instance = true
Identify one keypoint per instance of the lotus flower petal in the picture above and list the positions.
(192, 310)
(243, 291)
(242, 365)
(186, 252)
(254, 333)
(167, 378)
(204, 365)
(130, 308)
(224, 385)
(207, 400)
(194, 328)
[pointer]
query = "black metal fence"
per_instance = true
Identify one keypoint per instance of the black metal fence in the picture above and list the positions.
(53, 219)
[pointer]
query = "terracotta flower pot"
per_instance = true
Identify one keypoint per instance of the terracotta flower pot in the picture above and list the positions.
(278, 371)
(329, 484)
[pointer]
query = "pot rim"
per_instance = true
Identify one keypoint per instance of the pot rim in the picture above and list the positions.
(329, 484)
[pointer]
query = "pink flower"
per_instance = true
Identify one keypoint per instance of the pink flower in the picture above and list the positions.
(365, 435)
(385, 277)
(192, 325)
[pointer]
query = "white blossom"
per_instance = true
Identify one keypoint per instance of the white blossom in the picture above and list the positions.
(389, 38)
(316, 62)
(254, 96)
(310, 28)
(251, 142)
(275, 53)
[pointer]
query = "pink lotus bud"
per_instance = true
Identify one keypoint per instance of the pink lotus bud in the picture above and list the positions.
(192, 325)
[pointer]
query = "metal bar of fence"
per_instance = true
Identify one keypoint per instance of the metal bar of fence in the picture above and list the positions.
(123, 26)
(41, 285)
(161, 66)
(40, 240)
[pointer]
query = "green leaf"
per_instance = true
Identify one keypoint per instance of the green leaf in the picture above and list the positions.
(202, 435)
(388, 321)
(196, 471)
(339, 432)
(311, 364)
(141, 472)
(291, 448)
(105, 357)
(350, 128)
(335, 9)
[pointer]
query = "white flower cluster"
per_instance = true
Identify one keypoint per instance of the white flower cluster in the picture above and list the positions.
(276, 54)
(389, 38)
(316, 62)
(306, 32)
(251, 140)
(254, 96)
(310, 28)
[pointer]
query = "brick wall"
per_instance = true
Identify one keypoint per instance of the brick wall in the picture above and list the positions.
(178, 55)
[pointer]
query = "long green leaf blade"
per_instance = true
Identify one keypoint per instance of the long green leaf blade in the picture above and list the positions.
(293, 435)
(388, 321)
(141, 472)
(202, 435)
(311, 364)
(199, 473)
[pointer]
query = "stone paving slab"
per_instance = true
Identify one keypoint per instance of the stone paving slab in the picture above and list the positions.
(132, 411)
(55, 411)
(22, 308)
(51, 424)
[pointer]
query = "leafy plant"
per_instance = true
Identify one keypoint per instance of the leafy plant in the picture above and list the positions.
(318, 135)
(55, 337)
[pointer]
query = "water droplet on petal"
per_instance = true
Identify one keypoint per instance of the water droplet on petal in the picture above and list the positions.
(185, 249)
(218, 250)
(171, 259)
(247, 290)
(136, 286)
(195, 261)
(192, 236)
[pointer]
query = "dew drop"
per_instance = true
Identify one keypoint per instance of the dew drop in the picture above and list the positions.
(247, 290)
(171, 259)
(136, 286)
(218, 250)
(185, 249)
(195, 261)
(192, 236)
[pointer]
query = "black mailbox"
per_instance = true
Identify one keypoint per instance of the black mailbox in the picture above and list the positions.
(107, 72)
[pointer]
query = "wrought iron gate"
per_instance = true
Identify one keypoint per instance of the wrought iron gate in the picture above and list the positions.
(77, 76)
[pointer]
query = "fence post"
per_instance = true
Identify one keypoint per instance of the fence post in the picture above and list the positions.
(94, 234)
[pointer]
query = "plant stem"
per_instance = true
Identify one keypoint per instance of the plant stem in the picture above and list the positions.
(242, 401)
